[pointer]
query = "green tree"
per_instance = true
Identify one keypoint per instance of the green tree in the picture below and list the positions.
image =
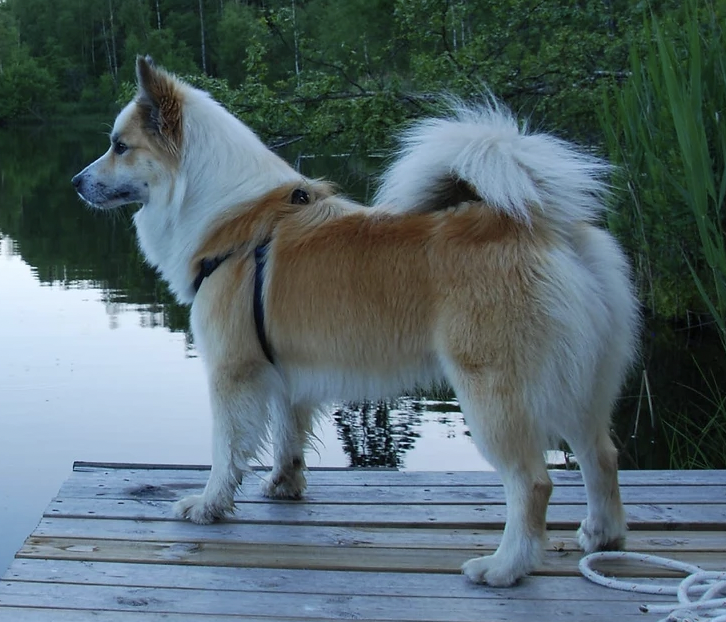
(239, 25)
(25, 86)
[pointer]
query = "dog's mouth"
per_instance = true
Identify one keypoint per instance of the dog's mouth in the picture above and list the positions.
(100, 196)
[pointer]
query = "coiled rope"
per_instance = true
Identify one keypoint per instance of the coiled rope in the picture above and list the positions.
(710, 586)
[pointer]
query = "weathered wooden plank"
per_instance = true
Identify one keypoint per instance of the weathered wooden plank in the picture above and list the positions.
(305, 606)
(31, 614)
(308, 581)
(270, 555)
(385, 495)
(383, 477)
(644, 516)
(83, 465)
(345, 494)
(35, 614)
(247, 554)
(175, 531)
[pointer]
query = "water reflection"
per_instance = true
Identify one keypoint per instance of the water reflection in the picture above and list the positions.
(66, 244)
(376, 435)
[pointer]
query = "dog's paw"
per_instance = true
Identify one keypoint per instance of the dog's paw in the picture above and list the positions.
(592, 537)
(493, 570)
(198, 510)
(289, 484)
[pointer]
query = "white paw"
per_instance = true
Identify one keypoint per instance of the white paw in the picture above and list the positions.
(494, 570)
(288, 484)
(197, 509)
(593, 537)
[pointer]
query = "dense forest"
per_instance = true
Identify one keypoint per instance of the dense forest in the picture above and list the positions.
(332, 70)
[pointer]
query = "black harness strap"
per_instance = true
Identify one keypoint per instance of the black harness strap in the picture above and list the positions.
(257, 304)
(207, 266)
(298, 197)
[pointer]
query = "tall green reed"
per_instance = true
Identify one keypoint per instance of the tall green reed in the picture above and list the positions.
(666, 129)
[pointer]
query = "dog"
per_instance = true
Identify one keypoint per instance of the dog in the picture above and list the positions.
(481, 265)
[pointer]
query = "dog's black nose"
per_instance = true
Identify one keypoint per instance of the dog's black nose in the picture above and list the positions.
(76, 181)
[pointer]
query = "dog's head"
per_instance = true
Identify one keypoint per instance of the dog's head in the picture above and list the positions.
(145, 145)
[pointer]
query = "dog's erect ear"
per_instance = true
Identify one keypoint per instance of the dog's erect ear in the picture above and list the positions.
(159, 100)
(149, 80)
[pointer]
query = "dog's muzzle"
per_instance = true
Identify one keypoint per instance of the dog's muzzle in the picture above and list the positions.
(77, 182)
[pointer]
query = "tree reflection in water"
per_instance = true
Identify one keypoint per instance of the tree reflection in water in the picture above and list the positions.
(373, 434)
(379, 433)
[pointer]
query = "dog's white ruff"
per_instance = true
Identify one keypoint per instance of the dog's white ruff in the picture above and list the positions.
(172, 226)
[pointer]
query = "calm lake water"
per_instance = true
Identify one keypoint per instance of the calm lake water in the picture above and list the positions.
(96, 362)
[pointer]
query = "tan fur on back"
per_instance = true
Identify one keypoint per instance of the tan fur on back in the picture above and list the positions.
(370, 291)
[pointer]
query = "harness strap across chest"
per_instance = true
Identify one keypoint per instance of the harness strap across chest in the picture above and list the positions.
(209, 264)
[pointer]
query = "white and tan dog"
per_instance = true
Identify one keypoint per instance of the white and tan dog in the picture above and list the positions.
(481, 266)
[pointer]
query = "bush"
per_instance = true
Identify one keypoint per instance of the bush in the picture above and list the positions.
(26, 89)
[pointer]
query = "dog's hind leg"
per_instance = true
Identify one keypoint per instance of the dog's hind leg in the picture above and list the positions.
(501, 428)
(605, 526)
(589, 438)
(291, 430)
(241, 397)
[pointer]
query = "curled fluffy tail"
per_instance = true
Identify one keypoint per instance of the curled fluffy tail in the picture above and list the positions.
(483, 152)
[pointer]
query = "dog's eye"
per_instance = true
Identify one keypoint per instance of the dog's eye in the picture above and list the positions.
(120, 148)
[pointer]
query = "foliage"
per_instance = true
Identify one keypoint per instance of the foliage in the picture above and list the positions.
(25, 86)
(343, 72)
(665, 129)
(696, 437)
(25, 89)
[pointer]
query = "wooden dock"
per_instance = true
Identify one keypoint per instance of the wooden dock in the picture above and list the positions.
(364, 545)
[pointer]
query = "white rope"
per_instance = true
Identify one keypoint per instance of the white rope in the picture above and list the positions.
(710, 585)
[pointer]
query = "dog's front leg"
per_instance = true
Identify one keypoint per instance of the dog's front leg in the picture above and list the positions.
(292, 429)
(240, 408)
